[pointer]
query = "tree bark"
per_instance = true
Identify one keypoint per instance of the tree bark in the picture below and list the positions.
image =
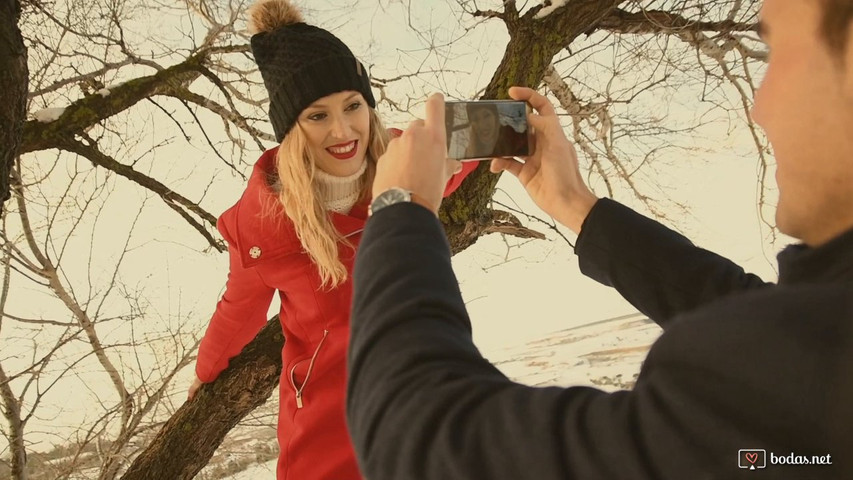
(93, 109)
(13, 91)
(187, 441)
(12, 412)
(13, 98)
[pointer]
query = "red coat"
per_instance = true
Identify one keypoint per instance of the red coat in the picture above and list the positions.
(266, 256)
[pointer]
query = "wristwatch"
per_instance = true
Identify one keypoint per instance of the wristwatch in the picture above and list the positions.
(389, 197)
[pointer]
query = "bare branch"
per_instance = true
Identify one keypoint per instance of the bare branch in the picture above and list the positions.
(658, 21)
(175, 200)
(12, 412)
(36, 321)
(691, 31)
(219, 245)
(89, 111)
(551, 225)
(231, 116)
(508, 224)
(11, 404)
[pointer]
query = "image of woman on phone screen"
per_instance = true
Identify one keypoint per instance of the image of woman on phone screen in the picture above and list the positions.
(491, 133)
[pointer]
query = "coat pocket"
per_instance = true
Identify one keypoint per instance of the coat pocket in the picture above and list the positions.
(300, 372)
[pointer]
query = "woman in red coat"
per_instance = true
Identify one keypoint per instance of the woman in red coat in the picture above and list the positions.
(295, 230)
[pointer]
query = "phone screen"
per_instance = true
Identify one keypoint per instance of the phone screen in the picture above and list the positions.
(483, 129)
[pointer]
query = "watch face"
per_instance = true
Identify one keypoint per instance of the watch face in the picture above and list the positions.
(396, 195)
(390, 197)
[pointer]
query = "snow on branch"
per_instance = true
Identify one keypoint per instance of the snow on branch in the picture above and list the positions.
(48, 115)
(549, 7)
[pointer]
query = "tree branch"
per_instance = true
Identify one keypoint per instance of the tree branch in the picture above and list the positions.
(658, 21)
(552, 225)
(508, 224)
(79, 78)
(226, 114)
(170, 197)
(247, 382)
(93, 109)
(12, 412)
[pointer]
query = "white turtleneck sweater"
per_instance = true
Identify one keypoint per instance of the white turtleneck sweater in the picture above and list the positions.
(339, 194)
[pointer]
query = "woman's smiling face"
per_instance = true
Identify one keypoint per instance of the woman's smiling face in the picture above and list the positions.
(337, 129)
(485, 125)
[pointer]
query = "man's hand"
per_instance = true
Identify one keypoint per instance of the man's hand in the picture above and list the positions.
(551, 175)
(417, 160)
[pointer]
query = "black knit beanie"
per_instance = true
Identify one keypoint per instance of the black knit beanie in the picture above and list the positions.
(300, 64)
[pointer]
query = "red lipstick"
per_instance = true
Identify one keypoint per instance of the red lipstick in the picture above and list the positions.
(343, 151)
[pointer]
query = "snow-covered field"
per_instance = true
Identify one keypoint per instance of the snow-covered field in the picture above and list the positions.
(605, 354)
(260, 471)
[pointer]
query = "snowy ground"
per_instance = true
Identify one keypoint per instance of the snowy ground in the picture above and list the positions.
(260, 471)
(606, 354)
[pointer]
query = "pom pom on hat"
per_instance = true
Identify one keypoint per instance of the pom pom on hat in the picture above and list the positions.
(268, 15)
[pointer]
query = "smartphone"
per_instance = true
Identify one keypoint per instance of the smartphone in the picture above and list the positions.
(482, 129)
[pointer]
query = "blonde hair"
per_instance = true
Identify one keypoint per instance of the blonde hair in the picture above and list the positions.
(303, 203)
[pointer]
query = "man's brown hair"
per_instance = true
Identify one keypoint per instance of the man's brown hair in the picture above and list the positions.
(835, 27)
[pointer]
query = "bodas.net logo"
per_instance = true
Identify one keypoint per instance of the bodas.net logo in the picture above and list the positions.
(751, 458)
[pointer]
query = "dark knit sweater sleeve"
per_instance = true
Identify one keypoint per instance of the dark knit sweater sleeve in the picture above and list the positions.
(656, 269)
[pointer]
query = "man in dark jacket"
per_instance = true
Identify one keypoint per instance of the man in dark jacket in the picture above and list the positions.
(748, 378)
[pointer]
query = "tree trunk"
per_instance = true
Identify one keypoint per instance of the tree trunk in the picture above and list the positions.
(13, 91)
(12, 412)
(13, 99)
(532, 46)
(186, 443)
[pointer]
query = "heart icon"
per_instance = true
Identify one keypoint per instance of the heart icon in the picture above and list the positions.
(751, 457)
